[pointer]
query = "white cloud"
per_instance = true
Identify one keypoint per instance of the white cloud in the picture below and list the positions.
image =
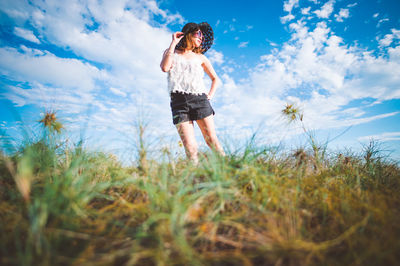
(287, 18)
(17, 10)
(381, 21)
(343, 13)
(152, 6)
(305, 11)
(394, 53)
(115, 38)
(114, 43)
(26, 34)
(45, 67)
(357, 121)
(326, 10)
(215, 57)
(352, 5)
(288, 5)
(388, 39)
(271, 43)
(243, 44)
(385, 136)
(322, 74)
(118, 92)
(32, 51)
(61, 99)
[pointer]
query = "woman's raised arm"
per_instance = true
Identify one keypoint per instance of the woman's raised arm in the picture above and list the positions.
(166, 61)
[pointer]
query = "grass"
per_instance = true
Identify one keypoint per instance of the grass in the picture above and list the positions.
(63, 204)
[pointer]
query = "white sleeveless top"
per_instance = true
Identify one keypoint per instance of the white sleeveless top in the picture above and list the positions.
(186, 75)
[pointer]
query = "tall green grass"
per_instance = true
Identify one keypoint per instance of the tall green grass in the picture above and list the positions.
(63, 204)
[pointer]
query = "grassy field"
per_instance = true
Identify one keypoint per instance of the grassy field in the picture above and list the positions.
(65, 205)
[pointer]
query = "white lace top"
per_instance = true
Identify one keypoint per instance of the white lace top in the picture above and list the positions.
(186, 75)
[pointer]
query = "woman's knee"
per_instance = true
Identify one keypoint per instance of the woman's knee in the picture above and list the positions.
(191, 147)
(211, 139)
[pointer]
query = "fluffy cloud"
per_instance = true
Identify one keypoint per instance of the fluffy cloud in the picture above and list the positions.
(306, 10)
(343, 13)
(111, 71)
(388, 39)
(326, 10)
(26, 34)
(288, 6)
(215, 57)
(44, 67)
(61, 99)
(320, 73)
(287, 18)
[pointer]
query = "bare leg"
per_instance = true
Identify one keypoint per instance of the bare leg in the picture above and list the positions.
(208, 129)
(186, 132)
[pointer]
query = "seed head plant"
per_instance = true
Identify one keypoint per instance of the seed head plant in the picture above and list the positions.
(51, 123)
(293, 114)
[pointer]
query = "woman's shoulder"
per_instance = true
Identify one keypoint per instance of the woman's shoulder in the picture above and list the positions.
(203, 58)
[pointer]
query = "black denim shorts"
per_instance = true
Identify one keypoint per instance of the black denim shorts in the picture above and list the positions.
(189, 107)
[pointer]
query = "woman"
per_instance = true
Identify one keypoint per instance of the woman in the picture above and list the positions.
(190, 101)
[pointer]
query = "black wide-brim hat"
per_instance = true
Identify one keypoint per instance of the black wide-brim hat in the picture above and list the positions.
(206, 31)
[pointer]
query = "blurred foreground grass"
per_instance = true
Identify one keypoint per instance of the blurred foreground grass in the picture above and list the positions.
(65, 205)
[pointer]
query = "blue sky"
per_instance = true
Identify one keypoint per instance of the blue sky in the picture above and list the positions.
(97, 64)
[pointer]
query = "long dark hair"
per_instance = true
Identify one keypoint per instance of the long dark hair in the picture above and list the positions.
(186, 42)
